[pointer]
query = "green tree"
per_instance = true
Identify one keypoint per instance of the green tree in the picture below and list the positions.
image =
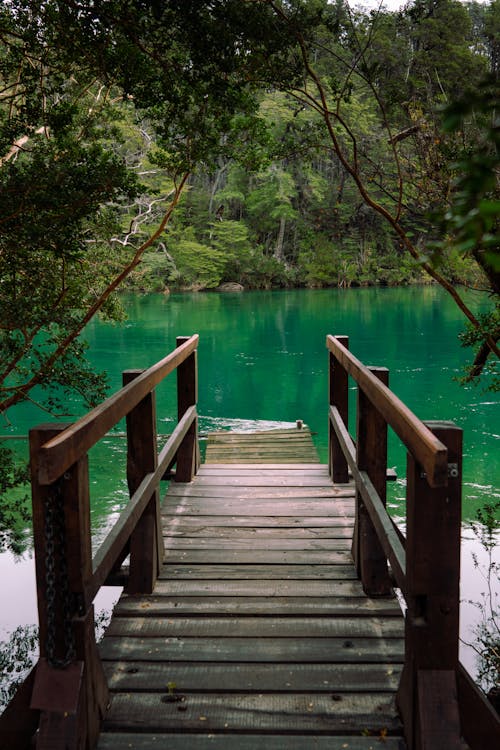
(382, 184)
(80, 83)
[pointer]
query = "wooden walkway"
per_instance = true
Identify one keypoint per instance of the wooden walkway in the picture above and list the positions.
(258, 634)
(292, 445)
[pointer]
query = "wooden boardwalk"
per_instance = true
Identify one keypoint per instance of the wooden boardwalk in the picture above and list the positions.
(258, 633)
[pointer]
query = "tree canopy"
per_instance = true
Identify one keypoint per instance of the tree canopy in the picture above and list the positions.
(308, 135)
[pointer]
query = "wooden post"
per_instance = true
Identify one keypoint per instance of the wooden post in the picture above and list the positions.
(70, 689)
(146, 541)
(39, 497)
(427, 695)
(339, 397)
(187, 395)
(371, 456)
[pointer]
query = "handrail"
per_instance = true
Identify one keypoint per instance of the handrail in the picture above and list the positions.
(105, 557)
(427, 449)
(68, 687)
(65, 449)
(425, 565)
(386, 532)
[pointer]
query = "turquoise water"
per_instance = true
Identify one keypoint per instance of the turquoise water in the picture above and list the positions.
(262, 357)
(263, 361)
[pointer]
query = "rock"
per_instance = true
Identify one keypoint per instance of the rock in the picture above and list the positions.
(230, 286)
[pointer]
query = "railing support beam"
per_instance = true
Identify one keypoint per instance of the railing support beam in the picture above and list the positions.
(432, 597)
(70, 689)
(188, 457)
(146, 542)
(338, 397)
(371, 454)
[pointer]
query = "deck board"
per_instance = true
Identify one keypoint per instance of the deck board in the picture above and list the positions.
(268, 447)
(257, 618)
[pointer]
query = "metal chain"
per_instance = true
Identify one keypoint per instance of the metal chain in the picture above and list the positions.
(55, 542)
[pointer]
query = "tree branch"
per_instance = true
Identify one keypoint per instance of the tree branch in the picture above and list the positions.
(23, 390)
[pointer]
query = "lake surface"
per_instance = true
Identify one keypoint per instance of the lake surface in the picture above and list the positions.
(263, 362)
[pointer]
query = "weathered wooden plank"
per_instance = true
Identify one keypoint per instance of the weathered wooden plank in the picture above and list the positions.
(258, 588)
(245, 492)
(306, 627)
(269, 557)
(284, 452)
(286, 480)
(197, 487)
(265, 469)
(303, 449)
(276, 446)
(301, 545)
(171, 521)
(237, 533)
(253, 678)
(229, 741)
(253, 457)
(283, 572)
(264, 454)
(276, 606)
(239, 453)
(228, 438)
(287, 650)
(224, 507)
(289, 451)
(318, 714)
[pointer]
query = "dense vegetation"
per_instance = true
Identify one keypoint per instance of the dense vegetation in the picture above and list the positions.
(298, 218)
(184, 144)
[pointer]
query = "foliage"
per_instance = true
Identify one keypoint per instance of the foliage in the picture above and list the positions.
(17, 657)
(487, 631)
(96, 97)
(403, 177)
(471, 223)
(15, 514)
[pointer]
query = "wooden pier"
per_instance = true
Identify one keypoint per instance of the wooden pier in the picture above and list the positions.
(259, 607)
(257, 621)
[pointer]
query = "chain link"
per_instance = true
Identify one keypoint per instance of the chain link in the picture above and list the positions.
(55, 549)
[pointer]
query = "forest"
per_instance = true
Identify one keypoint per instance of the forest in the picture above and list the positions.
(288, 212)
(177, 146)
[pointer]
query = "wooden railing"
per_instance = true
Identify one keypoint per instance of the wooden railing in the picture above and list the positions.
(438, 701)
(64, 698)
